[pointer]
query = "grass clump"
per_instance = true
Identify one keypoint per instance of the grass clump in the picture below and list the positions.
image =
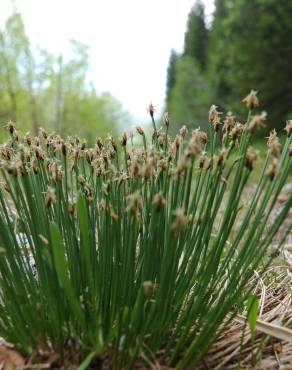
(139, 252)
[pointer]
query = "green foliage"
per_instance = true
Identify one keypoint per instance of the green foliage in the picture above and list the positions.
(196, 36)
(190, 97)
(255, 50)
(40, 89)
(138, 253)
(187, 92)
(170, 83)
(253, 311)
(248, 45)
(218, 62)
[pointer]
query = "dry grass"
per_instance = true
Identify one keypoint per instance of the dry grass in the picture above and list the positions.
(234, 349)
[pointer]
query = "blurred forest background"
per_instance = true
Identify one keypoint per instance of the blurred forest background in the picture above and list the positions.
(40, 89)
(247, 45)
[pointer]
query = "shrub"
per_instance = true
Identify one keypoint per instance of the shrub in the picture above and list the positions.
(140, 252)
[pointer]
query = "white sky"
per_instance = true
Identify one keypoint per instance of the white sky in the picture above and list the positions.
(130, 41)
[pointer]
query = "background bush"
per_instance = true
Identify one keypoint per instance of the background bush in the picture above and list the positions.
(246, 45)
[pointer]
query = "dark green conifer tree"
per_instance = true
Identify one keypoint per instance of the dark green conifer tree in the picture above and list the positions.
(196, 36)
(171, 78)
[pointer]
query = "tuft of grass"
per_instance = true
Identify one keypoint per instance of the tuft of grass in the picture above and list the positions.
(138, 252)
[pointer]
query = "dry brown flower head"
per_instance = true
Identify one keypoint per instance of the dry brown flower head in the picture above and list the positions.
(251, 100)
(257, 121)
(288, 127)
(214, 117)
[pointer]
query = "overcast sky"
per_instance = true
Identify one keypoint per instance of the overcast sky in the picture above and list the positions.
(130, 41)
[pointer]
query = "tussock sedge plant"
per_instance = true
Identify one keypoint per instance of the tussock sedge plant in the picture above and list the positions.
(140, 252)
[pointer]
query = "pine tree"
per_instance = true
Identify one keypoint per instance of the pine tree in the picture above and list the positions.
(170, 82)
(187, 91)
(196, 36)
(251, 48)
(190, 97)
(218, 63)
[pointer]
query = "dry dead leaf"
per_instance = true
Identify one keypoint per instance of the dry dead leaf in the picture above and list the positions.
(10, 359)
(276, 331)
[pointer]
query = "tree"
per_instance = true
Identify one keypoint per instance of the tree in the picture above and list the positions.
(11, 42)
(196, 36)
(190, 97)
(170, 82)
(38, 88)
(218, 61)
(252, 49)
(186, 88)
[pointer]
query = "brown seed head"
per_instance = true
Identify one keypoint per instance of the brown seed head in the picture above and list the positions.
(177, 142)
(27, 138)
(229, 122)
(200, 136)
(81, 180)
(134, 203)
(151, 110)
(274, 145)
(124, 139)
(71, 208)
(42, 133)
(159, 201)
(202, 161)
(221, 157)
(147, 171)
(16, 135)
(6, 187)
(101, 205)
(50, 197)
(251, 100)
(64, 149)
(99, 143)
(162, 164)
(37, 141)
(166, 119)
(113, 214)
(39, 153)
(56, 173)
(272, 170)
(183, 130)
(194, 146)
(34, 165)
(83, 145)
(251, 157)
(183, 164)
(288, 127)
(161, 140)
(236, 131)
(10, 126)
(13, 169)
(89, 154)
(88, 193)
(105, 188)
(135, 169)
(257, 121)
(180, 221)
(214, 117)
(113, 143)
(140, 131)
